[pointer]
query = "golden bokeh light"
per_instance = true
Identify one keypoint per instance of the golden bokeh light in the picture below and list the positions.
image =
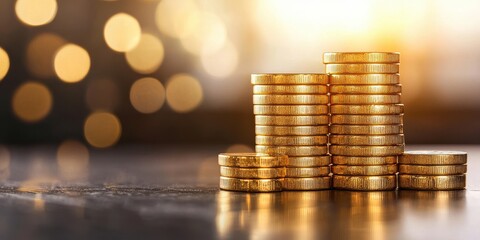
(102, 95)
(221, 63)
(147, 95)
(184, 93)
(209, 34)
(72, 63)
(41, 52)
(4, 163)
(122, 32)
(147, 56)
(36, 12)
(4, 63)
(102, 129)
(73, 160)
(171, 17)
(239, 148)
(32, 102)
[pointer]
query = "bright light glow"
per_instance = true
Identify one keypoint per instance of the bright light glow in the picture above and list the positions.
(72, 63)
(184, 93)
(41, 53)
(32, 102)
(171, 17)
(4, 63)
(122, 32)
(36, 12)
(147, 95)
(73, 160)
(102, 95)
(221, 63)
(208, 36)
(147, 56)
(102, 129)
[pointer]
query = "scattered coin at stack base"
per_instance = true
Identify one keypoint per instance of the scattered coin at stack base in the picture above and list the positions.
(252, 172)
(366, 131)
(432, 170)
(291, 117)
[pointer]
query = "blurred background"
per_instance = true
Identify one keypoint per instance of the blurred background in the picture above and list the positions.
(98, 74)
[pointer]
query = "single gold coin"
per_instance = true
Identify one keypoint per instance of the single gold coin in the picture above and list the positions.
(424, 182)
(354, 160)
(292, 120)
(291, 130)
(294, 151)
(290, 109)
(366, 151)
(365, 99)
(365, 183)
(367, 119)
(290, 99)
(252, 160)
(298, 79)
(366, 89)
(251, 185)
(367, 109)
(313, 161)
(432, 169)
(315, 183)
(364, 79)
(366, 129)
(335, 68)
(433, 157)
(372, 170)
(292, 140)
(290, 89)
(252, 173)
(302, 172)
(361, 57)
(367, 139)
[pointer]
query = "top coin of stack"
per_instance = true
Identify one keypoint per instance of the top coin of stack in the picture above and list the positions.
(291, 117)
(366, 119)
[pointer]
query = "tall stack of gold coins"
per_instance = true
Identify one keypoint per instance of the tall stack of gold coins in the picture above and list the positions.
(291, 117)
(252, 172)
(432, 170)
(366, 131)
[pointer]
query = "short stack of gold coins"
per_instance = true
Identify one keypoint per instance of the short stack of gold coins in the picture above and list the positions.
(252, 172)
(366, 131)
(291, 117)
(432, 170)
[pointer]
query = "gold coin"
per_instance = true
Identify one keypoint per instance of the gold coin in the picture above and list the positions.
(353, 160)
(366, 89)
(365, 183)
(365, 99)
(366, 129)
(314, 161)
(316, 183)
(433, 157)
(361, 57)
(367, 139)
(303, 172)
(422, 182)
(254, 160)
(367, 109)
(362, 68)
(292, 120)
(432, 169)
(290, 99)
(299, 79)
(236, 172)
(364, 79)
(251, 185)
(366, 151)
(375, 170)
(292, 140)
(367, 119)
(294, 151)
(290, 109)
(290, 89)
(291, 130)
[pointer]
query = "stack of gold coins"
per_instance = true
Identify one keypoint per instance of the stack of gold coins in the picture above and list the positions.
(291, 117)
(432, 170)
(252, 172)
(366, 131)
